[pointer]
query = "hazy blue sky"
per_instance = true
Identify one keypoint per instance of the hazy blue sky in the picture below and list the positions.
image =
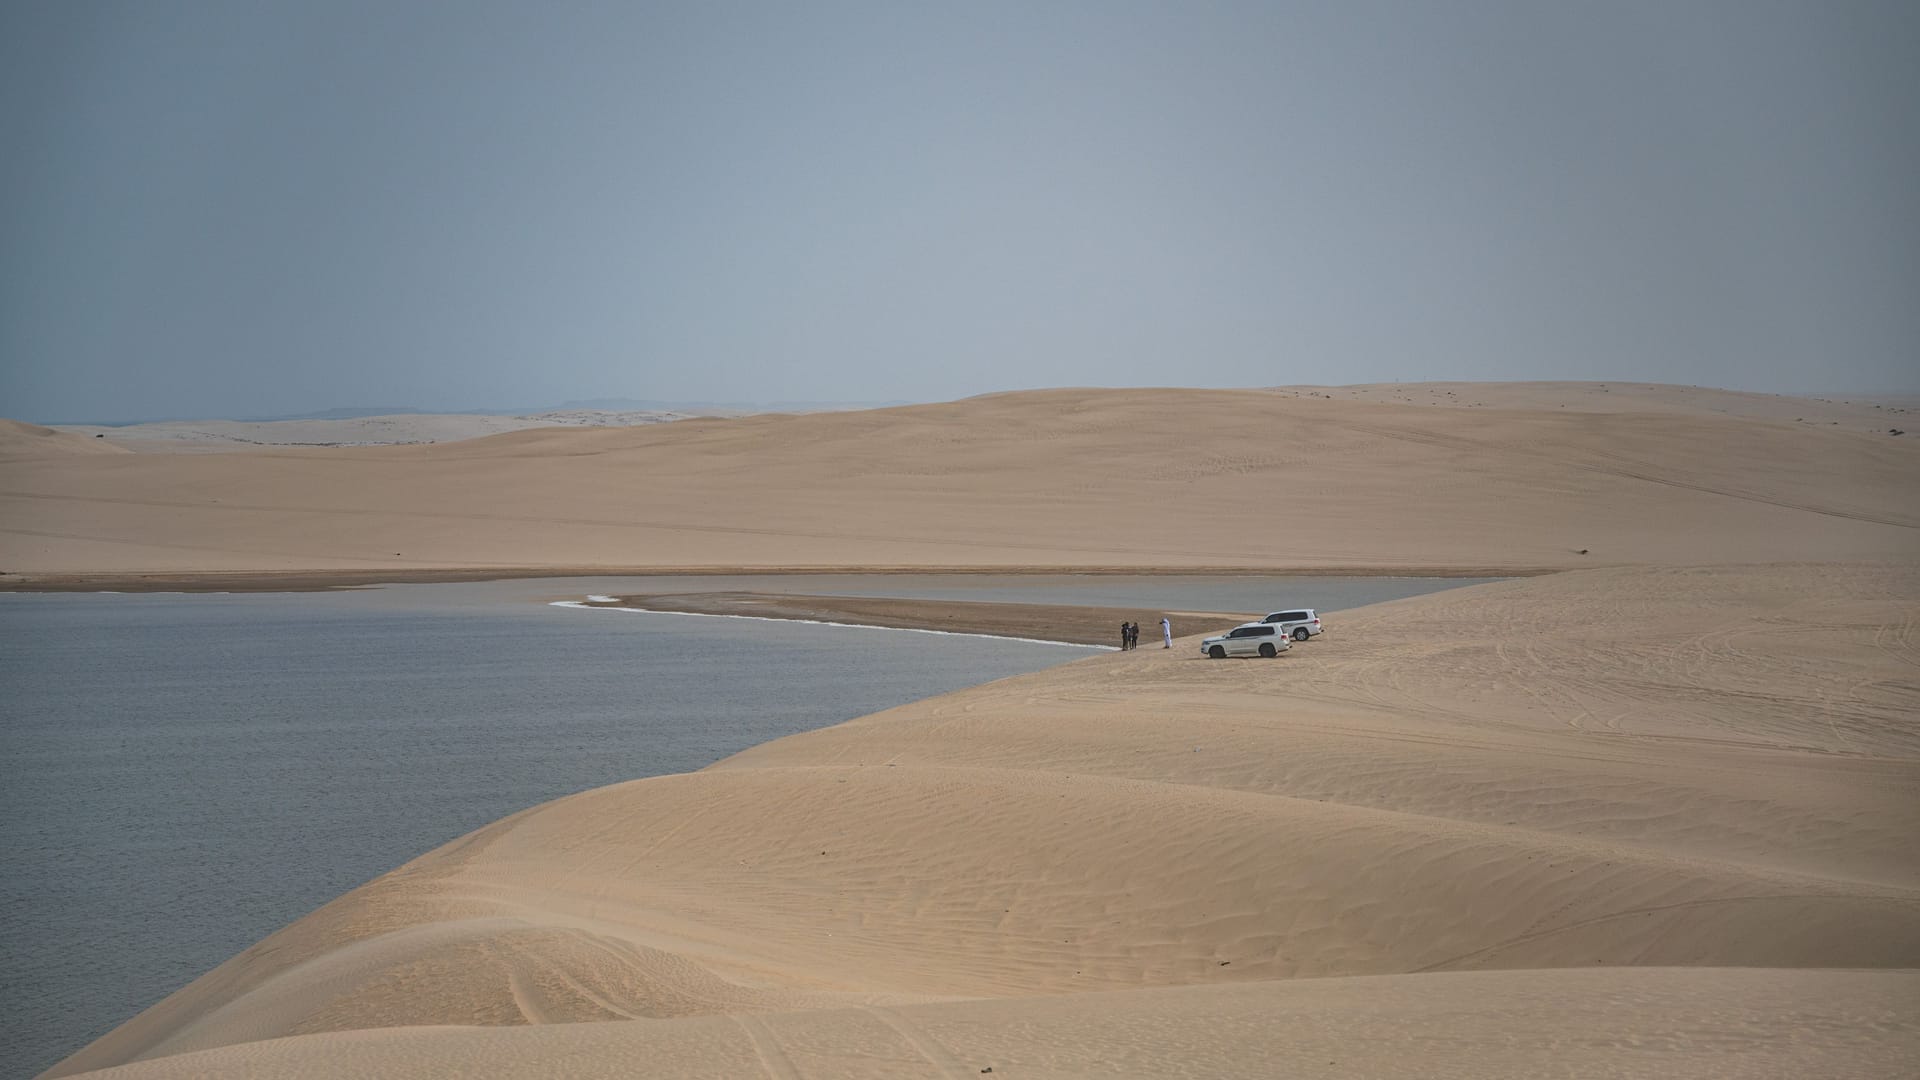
(258, 207)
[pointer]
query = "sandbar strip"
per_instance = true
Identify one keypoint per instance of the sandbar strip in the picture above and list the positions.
(1051, 624)
(824, 622)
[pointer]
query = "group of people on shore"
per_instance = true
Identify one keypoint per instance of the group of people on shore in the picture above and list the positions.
(1130, 634)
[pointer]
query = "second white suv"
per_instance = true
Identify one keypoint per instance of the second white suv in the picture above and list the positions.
(1297, 623)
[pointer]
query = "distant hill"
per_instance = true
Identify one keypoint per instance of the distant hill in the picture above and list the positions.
(621, 404)
(602, 404)
(351, 413)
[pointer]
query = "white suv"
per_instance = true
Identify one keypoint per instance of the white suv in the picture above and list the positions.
(1297, 623)
(1252, 639)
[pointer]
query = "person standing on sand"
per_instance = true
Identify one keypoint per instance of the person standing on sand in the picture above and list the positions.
(1166, 631)
(1126, 636)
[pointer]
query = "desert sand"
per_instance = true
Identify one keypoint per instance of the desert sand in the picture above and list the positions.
(1648, 817)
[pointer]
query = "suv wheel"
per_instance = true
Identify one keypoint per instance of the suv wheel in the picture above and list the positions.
(1218, 652)
(1266, 650)
(1300, 633)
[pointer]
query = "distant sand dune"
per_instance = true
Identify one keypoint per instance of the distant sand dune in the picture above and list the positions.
(1157, 479)
(18, 440)
(1641, 768)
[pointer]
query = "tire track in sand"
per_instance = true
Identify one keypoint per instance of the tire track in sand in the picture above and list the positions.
(773, 1056)
(926, 1045)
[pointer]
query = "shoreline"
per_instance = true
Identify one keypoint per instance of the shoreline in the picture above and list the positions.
(325, 580)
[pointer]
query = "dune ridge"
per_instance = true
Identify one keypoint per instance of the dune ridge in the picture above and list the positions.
(1527, 784)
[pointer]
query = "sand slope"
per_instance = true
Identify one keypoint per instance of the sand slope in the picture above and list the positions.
(1642, 768)
(1079, 478)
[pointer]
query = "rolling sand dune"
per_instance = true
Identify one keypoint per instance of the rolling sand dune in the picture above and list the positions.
(1135, 862)
(1157, 479)
(1653, 816)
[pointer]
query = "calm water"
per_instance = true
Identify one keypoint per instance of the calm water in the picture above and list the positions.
(185, 774)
